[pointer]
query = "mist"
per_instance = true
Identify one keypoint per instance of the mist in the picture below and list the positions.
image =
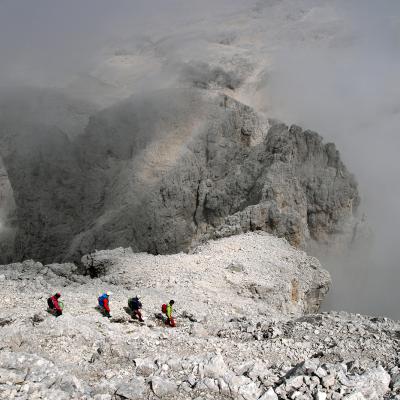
(47, 44)
(351, 94)
(329, 66)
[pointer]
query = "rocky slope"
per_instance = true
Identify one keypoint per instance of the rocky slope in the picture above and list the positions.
(164, 171)
(241, 333)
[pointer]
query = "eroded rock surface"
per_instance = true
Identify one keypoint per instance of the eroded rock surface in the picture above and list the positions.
(167, 170)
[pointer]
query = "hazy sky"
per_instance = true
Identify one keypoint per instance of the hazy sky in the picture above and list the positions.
(44, 41)
(351, 95)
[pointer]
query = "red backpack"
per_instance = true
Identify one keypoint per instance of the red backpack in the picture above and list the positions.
(164, 308)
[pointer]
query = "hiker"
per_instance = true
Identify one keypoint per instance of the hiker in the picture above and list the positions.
(55, 305)
(135, 305)
(104, 304)
(167, 309)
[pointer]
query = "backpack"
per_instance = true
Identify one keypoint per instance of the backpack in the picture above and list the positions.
(50, 302)
(101, 300)
(130, 303)
(164, 308)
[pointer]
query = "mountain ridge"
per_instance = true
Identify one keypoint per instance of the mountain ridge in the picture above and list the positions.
(165, 171)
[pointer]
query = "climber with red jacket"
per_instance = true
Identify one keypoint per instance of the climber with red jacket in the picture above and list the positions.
(104, 304)
(55, 305)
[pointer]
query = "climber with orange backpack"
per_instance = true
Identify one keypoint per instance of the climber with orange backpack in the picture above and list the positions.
(167, 310)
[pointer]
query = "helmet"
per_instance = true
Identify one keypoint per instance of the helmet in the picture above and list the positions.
(57, 295)
(109, 293)
(171, 302)
(138, 297)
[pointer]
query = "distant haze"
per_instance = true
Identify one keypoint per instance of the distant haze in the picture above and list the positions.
(351, 95)
(330, 66)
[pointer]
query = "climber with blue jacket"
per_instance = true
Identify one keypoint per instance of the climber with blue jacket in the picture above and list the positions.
(104, 304)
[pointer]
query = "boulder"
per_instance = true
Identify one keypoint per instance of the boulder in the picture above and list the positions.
(269, 395)
(135, 389)
(215, 367)
(144, 366)
(372, 384)
(321, 396)
(163, 387)
(294, 383)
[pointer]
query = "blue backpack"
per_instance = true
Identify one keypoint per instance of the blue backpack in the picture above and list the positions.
(101, 300)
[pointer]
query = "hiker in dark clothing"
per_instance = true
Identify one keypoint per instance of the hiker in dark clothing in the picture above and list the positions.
(135, 305)
(54, 305)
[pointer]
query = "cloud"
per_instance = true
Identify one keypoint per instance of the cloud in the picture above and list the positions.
(349, 91)
(44, 42)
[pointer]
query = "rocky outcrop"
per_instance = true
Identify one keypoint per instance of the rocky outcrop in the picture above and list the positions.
(36, 127)
(165, 171)
(243, 329)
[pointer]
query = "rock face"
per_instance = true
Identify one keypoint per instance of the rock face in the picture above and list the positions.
(241, 332)
(36, 126)
(7, 217)
(165, 171)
